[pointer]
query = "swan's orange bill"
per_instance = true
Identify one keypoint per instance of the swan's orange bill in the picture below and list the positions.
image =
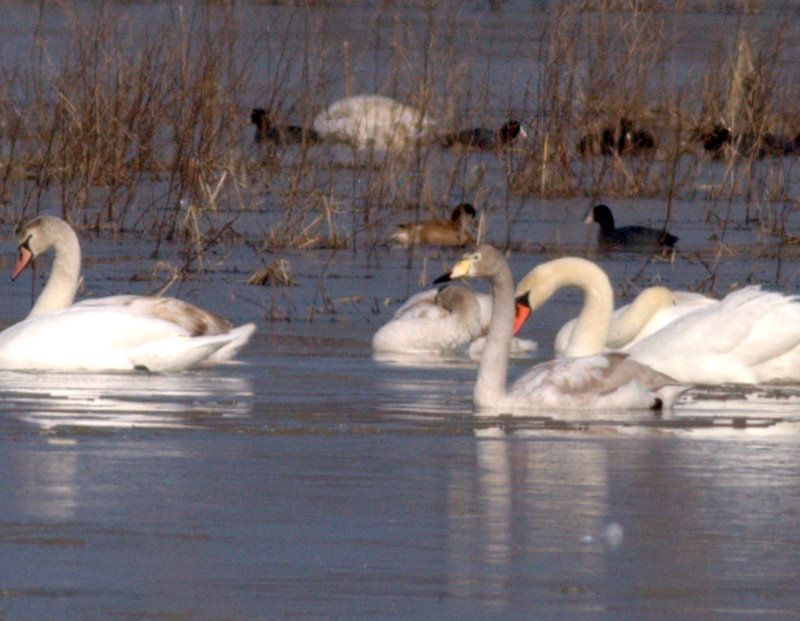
(523, 312)
(23, 258)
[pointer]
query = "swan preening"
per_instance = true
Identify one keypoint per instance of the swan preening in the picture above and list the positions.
(750, 336)
(118, 333)
(448, 320)
(595, 381)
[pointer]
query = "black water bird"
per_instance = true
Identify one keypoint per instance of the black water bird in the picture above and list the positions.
(485, 139)
(640, 238)
(622, 139)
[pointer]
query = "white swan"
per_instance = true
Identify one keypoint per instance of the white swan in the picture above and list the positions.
(372, 121)
(651, 310)
(611, 381)
(442, 321)
(118, 333)
(751, 336)
(431, 322)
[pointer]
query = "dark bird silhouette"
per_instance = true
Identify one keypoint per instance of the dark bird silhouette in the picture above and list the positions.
(266, 131)
(485, 139)
(639, 238)
(624, 139)
(748, 144)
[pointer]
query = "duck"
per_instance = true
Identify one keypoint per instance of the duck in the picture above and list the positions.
(636, 238)
(441, 320)
(622, 139)
(437, 231)
(652, 309)
(112, 334)
(583, 382)
(267, 131)
(372, 122)
(751, 336)
(747, 144)
(484, 139)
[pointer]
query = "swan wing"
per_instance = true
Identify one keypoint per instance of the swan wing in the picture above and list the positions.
(194, 319)
(725, 342)
(103, 338)
(422, 334)
(611, 381)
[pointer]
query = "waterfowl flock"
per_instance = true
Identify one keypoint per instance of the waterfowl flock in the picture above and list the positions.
(641, 356)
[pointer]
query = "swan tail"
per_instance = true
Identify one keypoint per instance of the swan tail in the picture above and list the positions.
(667, 396)
(237, 338)
(176, 353)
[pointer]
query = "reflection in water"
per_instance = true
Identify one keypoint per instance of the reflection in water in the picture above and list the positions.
(521, 504)
(47, 478)
(601, 517)
(124, 400)
(46, 483)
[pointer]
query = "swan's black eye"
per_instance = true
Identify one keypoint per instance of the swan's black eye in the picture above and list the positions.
(476, 256)
(26, 243)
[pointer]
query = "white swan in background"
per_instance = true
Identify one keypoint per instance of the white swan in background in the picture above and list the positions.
(374, 121)
(750, 336)
(442, 321)
(651, 310)
(611, 381)
(118, 333)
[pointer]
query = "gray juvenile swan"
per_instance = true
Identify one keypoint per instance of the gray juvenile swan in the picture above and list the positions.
(610, 381)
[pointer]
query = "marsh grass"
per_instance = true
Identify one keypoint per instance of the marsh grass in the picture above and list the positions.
(122, 125)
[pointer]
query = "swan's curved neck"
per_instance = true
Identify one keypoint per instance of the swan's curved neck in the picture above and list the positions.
(490, 387)
(630, 323)
(62, 285)
(591, 328)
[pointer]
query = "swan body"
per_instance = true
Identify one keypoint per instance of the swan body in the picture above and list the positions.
(750, 336)
(653, 308)
(372, 121)
(426, 323)
(438, 232)
(447, 321)
(117, 333)
(579, 382)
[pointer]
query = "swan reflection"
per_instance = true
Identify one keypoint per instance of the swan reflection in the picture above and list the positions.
(107, 401)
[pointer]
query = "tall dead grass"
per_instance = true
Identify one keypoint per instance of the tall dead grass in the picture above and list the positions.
(121, 124)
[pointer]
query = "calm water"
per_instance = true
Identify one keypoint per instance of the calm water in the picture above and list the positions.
(312, 482)
(309, 481)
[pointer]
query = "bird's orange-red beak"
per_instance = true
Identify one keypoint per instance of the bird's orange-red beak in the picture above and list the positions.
(23, 259)
(521, 316)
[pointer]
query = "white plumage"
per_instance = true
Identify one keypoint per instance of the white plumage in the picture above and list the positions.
(372, 121)
(117, 333)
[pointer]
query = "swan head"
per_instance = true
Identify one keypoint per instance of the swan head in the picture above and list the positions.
(484, 262)
(544, 280)
(37, 237)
